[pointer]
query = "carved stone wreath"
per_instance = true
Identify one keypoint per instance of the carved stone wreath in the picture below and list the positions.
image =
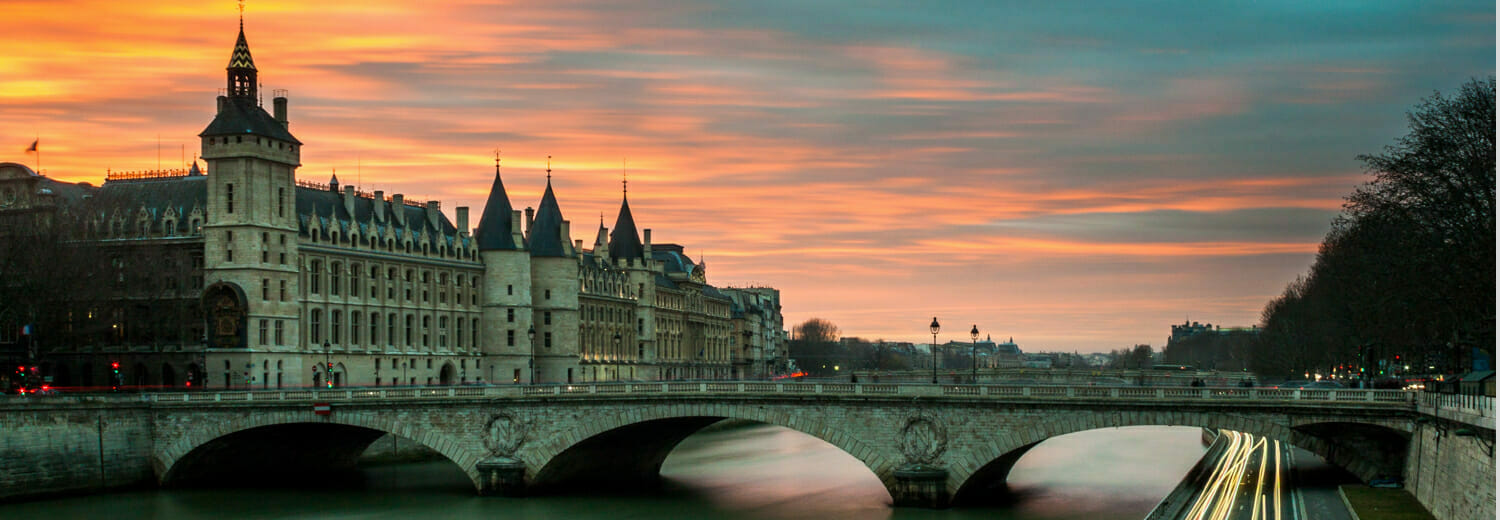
(923, 440)
(505, 434)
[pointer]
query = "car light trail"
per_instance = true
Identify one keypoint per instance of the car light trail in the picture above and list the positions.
(1234, 479)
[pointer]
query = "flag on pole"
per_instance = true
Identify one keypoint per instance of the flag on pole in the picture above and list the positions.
(32, 148)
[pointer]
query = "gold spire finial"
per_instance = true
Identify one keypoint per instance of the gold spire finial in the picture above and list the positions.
(549, 169)
(624, 181)
(242, 15)
(497, 161)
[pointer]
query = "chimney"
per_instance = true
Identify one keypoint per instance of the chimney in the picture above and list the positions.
(515, 228)
(379, 206)
(279, 102)
(349, 201)
(398, 208)
(462, 214)
(530, 215)
(223, 100)
(647, 252)
(578, 246)
(434, 216)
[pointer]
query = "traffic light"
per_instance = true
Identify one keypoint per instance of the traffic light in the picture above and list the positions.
(114, 380)
(329, 380)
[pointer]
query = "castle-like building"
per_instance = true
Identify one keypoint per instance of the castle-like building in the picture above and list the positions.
(241, 276)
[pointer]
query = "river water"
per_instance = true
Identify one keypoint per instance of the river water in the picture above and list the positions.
(752, 472)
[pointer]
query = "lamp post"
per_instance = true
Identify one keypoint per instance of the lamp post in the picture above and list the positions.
(531, 363)
(327, 367)
(974, 354)
(618, 355)
(934, 328)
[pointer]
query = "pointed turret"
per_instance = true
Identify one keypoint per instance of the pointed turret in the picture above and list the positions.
(240, 114)
(624, 242)
(495, 222)
(546, 231)
(241, 68)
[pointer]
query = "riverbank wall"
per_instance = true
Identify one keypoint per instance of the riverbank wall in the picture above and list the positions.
(49, 449)
(1451, 470)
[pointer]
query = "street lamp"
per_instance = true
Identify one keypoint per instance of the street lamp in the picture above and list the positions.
(327, 367)
(618, 355)
(531, 363)
(934, 328)
(974, 354)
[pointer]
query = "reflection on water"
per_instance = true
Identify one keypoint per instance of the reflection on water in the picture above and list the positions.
(738, 473)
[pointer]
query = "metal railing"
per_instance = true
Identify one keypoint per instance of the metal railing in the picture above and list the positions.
(996, 392)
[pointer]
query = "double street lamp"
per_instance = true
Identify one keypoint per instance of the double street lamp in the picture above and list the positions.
(934, 328)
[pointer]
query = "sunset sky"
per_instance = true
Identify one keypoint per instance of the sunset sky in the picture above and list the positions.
(1076, 175)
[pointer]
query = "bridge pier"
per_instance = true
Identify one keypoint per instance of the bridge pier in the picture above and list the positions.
(502, 476)
(920, 485)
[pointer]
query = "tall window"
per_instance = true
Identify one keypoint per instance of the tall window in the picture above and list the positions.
(265, 289)
(547, 340)
(354, 280)
(546, 317)
(426, 328)
(510, 315)
(333, 278)
(280, 335)
(475, 331)
(374, 328)
(315, 326)
(354, 326)
(281, 202)
(315, 277)
(390, 330)
(283, 290)
(229, 198)
(442, 331)
(264, 326)
(458, 333)
(410, 321)
(510, 338)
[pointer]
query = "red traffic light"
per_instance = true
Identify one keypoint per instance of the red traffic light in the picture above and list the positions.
(330, 366)
(115, 365)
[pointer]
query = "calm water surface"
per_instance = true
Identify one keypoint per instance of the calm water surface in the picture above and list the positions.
(754, 472)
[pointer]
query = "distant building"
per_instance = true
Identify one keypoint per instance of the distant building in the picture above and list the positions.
(1205, 346)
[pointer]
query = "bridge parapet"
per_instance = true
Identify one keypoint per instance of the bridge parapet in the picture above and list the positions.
(1473, 410)
(997, 392)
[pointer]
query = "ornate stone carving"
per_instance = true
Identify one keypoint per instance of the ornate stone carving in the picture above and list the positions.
(923, 440)
(505, 435)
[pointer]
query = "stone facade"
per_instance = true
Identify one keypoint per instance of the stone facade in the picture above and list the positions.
(1452, 475)
(48, 450)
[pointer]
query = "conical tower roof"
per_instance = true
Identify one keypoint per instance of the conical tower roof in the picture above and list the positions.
(545, 235)
(240, 58)
(495, 224)
(624, 242)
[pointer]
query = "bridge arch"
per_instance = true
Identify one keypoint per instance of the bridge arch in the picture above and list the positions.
(171, 456)
(1319, 436)
(654, 431)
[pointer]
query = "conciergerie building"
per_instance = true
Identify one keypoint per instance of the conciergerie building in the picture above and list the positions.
(241, 276)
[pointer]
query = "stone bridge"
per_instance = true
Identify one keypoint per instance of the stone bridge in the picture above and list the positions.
(927, 443)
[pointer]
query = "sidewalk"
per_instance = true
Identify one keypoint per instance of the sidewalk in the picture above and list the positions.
(1367, 503)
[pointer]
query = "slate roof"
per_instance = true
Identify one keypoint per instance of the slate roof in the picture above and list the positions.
(323, 204)
(624, 242)
(241, 116)
(495, 224)
(675, 261)
(546, 229)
